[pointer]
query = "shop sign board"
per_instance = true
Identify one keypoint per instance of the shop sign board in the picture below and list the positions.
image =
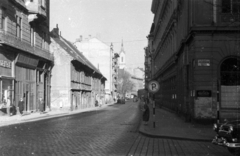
(204, 93)
(204, 62)
(5, 64)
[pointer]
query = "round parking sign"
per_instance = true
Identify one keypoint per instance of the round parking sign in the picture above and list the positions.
(153, 86)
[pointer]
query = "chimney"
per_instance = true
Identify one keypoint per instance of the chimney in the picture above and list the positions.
(55, 32)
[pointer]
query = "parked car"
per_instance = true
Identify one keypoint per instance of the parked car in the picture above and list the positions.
(228, 135)
(121, 101)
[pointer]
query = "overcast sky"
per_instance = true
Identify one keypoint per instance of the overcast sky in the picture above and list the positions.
(109, 20)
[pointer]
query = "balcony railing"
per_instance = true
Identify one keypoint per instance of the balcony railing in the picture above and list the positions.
(17, 43)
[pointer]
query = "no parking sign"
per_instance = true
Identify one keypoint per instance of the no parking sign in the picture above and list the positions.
(153, 86)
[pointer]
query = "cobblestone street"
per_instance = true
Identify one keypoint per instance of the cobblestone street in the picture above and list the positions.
(111, 131)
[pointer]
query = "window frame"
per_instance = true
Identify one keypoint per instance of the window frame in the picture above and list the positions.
(32, 35)
(3, 19)
(18, 27)
(228, 6)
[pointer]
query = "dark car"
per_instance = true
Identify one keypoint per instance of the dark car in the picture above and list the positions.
(121, 101)
(228, 135)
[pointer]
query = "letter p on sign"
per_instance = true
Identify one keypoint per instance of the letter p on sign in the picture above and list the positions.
(153, 86)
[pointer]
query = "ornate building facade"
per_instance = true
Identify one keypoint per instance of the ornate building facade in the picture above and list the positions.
(194, 52)
(25, 60)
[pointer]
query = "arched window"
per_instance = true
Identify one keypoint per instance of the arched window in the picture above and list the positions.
(230, 72)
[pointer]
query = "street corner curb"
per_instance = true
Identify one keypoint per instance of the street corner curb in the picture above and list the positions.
(172, 137)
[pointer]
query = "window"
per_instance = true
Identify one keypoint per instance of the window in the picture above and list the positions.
(2, 26)
(43, 40)
(122, 59)
(40, 76)
(230, 6)
(43, 3)
(32, 36)
(2, 19)
(19, 27)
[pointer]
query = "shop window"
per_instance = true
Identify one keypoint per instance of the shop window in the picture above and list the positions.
(7, 90)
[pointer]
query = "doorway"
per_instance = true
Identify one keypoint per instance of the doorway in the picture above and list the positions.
(230, 88)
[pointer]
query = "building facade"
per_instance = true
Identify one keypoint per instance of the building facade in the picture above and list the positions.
(194, 52)
(101, 56)
(114, 73)
(25, 60)
(76, 83)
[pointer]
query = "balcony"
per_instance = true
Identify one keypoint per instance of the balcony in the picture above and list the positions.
(36, 11)
(17, 43)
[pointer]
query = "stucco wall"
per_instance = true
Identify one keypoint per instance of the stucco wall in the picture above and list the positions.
(60, 83)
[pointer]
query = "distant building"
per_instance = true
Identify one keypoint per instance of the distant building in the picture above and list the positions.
(101, 56)
(194, 52)
(25, 60)
(76, 82)
(114, 73)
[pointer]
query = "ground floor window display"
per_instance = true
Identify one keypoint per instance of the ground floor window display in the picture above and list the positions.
(7, 105)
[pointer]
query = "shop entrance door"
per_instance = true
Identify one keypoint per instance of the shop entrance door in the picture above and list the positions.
(230, 89)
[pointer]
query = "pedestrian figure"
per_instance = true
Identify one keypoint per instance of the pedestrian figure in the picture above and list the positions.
(21, 106)
(41, 105)
(146, 111)
(100, 102)
(8, 105)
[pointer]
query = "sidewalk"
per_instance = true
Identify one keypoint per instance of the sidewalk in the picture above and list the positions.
(17, 119)
(169, 125)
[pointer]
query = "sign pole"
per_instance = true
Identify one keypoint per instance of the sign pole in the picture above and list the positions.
(153, 87)
(154, 123)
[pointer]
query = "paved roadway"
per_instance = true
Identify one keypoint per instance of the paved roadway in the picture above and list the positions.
(112, 131)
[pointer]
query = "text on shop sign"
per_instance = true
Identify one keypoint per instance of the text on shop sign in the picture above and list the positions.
(5, 64)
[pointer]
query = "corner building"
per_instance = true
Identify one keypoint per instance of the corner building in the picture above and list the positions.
(194, 50)
(25, 61)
